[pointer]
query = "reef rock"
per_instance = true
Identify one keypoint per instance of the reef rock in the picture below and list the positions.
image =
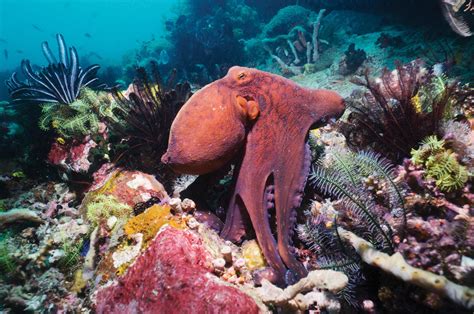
(73, 157)
(173, 275)
(128, 187)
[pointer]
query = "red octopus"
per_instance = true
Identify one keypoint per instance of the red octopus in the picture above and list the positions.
(267, 117)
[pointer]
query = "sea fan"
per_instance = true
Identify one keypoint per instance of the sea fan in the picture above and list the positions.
(146, 117)
(59, 82)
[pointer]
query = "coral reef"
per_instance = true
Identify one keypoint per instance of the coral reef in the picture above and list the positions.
(92, 221)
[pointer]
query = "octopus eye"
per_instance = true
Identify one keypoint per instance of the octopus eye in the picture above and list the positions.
(241, 75)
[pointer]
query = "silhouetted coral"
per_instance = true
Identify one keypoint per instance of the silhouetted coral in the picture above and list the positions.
(353, 59)
(144, 122)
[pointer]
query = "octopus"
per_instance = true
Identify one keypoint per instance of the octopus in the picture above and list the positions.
(262, 120)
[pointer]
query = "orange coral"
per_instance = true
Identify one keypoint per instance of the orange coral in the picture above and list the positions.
(149, 222)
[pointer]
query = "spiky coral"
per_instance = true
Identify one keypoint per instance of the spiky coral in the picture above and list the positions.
(400, 109)
(104, 206)
(147, 114)
(441, 164)
(81, 117)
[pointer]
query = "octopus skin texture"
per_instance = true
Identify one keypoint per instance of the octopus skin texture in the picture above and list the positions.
(265, 119)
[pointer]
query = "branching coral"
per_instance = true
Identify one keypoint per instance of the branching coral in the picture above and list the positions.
(294, 40)
(59, 82)
(147, 115)
(441, 164)
(399, 110)
(397, 266)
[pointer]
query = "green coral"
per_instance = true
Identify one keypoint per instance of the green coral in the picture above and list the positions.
(104, 206)
(81, 117)
(7, 263)
(441, 164)
(72, 254)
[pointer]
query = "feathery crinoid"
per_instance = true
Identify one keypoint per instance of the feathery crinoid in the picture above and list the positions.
(81, 117)
(319, 233)
(59, 82)
(399, 109)
(367, 188)
(441, 164)
(145, 116)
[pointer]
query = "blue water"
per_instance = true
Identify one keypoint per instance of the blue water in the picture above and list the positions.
(114, 26)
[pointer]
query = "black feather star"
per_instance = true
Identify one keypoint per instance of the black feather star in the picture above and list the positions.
(59, 82)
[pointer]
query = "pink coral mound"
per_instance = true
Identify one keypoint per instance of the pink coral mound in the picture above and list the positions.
(173, 276)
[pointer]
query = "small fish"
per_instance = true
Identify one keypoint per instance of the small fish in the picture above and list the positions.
(19, 51)
(94, 54)
(164, 57)
(3, 41)
(88, 35)
(5, 53)
(37, 28)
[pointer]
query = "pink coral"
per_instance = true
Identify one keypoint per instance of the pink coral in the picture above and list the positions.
(173, 276)
(72, 157)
